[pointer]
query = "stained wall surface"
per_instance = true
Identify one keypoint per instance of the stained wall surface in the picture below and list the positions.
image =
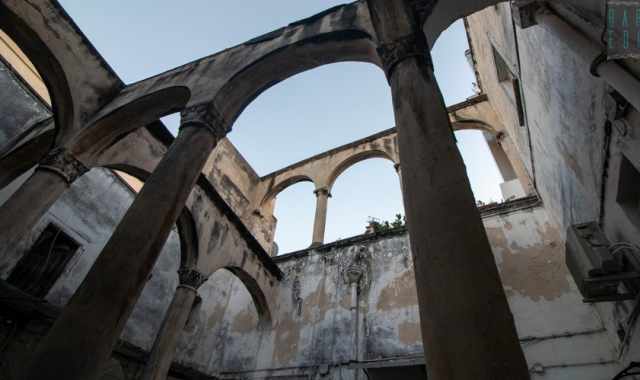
(573, 143)
(315, 325)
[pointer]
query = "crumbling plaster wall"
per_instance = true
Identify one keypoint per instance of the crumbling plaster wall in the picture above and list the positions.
(562, 141)
(314, 326)
(576, 170)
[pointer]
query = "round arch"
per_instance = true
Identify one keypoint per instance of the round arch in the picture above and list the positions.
(461, 125)
(256, 292)
(324, 49)
(444, 13)
(283, 185)
(187, 230)
(354, 159)
(107, 127)
(46, 64)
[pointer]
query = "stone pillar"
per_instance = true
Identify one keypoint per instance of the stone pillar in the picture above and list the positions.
(84, 334)
(467, 328)
(164, 347)
(320, 221)
(502, 161)
(20, 213)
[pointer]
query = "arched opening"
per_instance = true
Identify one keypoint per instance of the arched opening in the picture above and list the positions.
(227, 318)
(368, 189)
(313, 112)
(27, 131)
(294, 213)
(482, 170)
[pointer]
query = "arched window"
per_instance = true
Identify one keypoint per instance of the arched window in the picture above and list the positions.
(483, 173)
(294, 211)
(368, 189)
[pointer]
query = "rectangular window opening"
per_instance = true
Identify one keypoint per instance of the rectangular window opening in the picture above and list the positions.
(39, 269)
(511, 83)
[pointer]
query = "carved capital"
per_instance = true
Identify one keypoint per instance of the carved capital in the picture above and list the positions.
(357, 272)
(392, 53)
(191, 278)
(323, 190)
(63, 163)
(207, 116)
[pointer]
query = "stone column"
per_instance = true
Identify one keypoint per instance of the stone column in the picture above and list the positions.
(502, 161)
(320, 221)
(20, 213)
(84, 334)
(164, 347)
(467, 328)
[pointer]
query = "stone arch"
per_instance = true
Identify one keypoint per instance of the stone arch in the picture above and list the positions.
(187, 230)
(106, 129)
(494, 139)
(283, 184)
(472, 124)
(279, 65)
(258, 296)
(354, 159)
(78, 80)
(44, 60)
(231, 79)
(444, 13)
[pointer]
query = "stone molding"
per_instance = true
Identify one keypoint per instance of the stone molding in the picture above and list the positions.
(63, 163)
(191, 278)
(413, 45)
(207, 116)
(323, 191)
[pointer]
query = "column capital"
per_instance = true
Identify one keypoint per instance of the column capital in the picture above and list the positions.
(63, 163)
(394, 52)
(323, 191)
(191, 278)
(205, 115)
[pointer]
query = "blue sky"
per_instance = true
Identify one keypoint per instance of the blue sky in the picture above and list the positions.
(304, 115)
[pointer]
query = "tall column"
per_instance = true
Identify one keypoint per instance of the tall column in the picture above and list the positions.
(164, 347)
(320, 220)
(84, 334)
(467, 327)
(20, 213)
(500, 157)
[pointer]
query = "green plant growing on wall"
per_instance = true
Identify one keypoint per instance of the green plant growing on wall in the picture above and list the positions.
(376, 225)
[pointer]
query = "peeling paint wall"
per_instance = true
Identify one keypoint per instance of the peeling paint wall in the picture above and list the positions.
(314, 324)
(565, 139)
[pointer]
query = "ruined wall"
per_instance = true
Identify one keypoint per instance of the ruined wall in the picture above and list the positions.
(314, 323)
(576, 159)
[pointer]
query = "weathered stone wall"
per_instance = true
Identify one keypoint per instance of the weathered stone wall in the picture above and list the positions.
(575, 159)
(314, 324)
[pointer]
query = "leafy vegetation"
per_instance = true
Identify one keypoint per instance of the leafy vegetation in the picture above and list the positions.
(380, 226)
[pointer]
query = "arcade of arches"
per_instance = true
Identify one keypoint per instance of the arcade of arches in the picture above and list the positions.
(126, 253)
